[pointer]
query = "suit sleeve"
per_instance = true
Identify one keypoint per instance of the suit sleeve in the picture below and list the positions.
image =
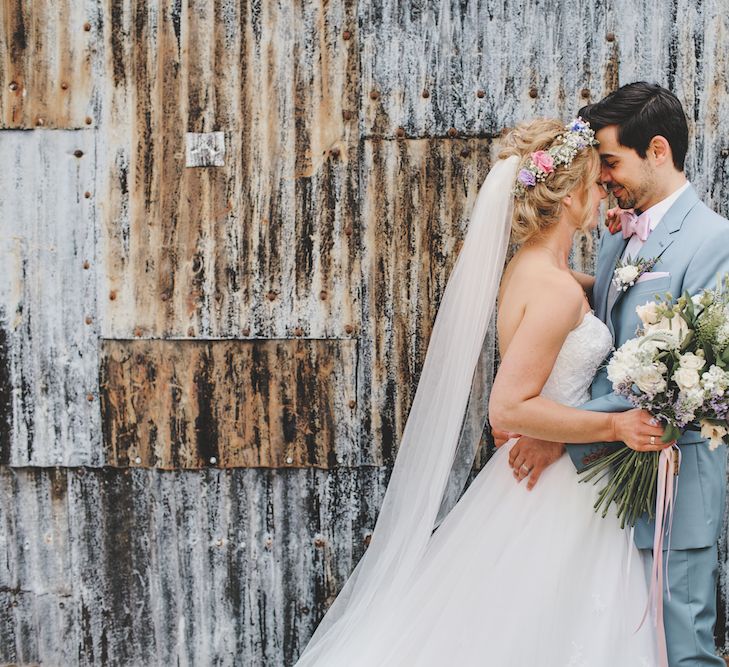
(711, 260)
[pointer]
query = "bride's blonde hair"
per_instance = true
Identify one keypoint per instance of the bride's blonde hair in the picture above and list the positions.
(539, 206)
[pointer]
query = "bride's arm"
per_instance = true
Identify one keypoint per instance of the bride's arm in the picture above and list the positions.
(516, 404)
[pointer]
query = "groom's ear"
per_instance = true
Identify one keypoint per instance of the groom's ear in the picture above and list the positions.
(659, 151)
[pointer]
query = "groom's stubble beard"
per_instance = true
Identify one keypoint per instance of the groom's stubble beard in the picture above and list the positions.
(635, 196)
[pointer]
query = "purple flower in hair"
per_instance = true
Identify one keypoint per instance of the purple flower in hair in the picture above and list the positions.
(527, 178)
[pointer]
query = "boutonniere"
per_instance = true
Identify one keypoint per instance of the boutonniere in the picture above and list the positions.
(627, 273)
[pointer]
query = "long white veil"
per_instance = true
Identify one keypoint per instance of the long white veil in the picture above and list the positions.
(441, 434)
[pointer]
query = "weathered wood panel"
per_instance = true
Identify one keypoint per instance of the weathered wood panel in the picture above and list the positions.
(49, 356)
(265, 245)
(149, 567)
(190, 404)
(47, 51)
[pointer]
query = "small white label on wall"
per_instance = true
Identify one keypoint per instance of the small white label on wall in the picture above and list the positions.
(205, 149)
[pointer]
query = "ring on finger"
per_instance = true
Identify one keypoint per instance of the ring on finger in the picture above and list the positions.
(525, 469)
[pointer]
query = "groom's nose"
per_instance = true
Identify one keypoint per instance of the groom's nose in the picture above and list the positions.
(605, 174)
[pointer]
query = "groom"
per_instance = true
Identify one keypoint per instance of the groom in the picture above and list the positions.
(643, 139)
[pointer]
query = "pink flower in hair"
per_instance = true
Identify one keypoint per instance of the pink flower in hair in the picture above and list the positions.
(543, 161)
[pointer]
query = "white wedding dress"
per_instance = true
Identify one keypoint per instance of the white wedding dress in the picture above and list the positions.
(515, 577)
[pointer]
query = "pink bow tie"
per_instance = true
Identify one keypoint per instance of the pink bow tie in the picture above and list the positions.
(635, 225)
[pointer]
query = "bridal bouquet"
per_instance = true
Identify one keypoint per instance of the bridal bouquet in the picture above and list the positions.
(677, 368)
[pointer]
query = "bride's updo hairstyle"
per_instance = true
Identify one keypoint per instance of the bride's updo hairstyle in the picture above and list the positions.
(538, 206)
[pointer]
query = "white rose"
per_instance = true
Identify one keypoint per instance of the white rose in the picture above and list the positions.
(675, 325)
(691, 361)
(714, 432)
(648, 312)
(627, 274)
(686, 378)
(650, 380)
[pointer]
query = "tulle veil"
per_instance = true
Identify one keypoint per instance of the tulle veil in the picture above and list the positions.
(442, 431)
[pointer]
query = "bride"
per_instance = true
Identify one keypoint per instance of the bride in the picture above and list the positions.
(510, 577)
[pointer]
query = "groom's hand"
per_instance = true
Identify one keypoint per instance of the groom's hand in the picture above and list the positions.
(535, 456)
(502, 437)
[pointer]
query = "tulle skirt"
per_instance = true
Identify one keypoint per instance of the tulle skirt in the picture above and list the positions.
(514, 578)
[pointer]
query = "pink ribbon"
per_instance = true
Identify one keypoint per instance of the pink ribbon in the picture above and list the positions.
(665, 502)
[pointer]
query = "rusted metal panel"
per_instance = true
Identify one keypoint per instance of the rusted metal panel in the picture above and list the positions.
(417, 198)
(190, 567)
(428, 67)
(264, 403)
(49, 356)
(47, 51)
(265, 244)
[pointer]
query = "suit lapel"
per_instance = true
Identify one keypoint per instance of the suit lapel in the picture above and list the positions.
(659, 240)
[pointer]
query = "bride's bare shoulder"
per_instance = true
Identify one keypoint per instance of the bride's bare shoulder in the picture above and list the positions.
(541, 286)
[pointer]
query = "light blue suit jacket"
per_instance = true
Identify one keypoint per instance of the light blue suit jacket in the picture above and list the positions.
(693, 245)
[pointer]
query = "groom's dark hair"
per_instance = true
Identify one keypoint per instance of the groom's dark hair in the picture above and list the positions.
(642, 111)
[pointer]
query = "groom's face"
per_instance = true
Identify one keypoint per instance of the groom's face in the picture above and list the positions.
(624, 173)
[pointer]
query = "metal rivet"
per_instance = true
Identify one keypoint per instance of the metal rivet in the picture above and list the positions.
(335, 152)
(137, 332)
(64, 86)
(40, 122)
(88, 120)
(87, 27)
(164, 296)
(323, 295)
(13, 85)
(112, 295)
(400, 132)
(724, 152)
(319, 542)
(213, 460)
(348, 328)
(347, 115)
(374, 94)
(426, 93)
(78, 153)
(271, 295)
(89, 319)
(367, 539)
(346, 34)
(268, 543)
(289, 459)
(219, 542)
(298, 331)
(585, 92)
(533, 93)
(610, 37)
(190, 332)
(87, 195)
(348, 230)
(352, 404)
(452, 132)
(480, 94)
(89, 397)
(465, 152)
(245, 331)
(86, 264)
(138, 460)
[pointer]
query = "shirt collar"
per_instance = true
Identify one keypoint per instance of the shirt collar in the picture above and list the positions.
(657, 211)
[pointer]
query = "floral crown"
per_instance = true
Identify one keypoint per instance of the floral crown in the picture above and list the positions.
(541, 164)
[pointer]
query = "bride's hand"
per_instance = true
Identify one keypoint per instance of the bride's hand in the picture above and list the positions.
(638, 429)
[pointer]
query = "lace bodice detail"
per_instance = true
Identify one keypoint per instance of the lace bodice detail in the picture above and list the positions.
(584, 349)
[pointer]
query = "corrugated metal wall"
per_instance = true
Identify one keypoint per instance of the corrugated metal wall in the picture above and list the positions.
(224, 232)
